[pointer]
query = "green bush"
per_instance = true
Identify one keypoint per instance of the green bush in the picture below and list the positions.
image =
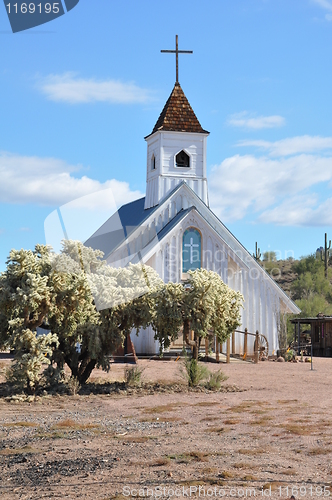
(133, 376)
(195, 372)
(215, 379)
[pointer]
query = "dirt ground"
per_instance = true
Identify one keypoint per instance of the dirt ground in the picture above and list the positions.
(273, 432)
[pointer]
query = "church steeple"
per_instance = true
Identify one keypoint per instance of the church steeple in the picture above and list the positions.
(178, 115)
(176, 148)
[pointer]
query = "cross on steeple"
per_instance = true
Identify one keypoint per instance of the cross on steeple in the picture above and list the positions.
(177, 52)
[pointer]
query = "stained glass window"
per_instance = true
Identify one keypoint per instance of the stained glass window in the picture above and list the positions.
(191, 250)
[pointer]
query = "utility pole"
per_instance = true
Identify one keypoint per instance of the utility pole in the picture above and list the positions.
(327, 248)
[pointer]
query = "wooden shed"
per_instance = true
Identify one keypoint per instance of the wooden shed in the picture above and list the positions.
(320, 330)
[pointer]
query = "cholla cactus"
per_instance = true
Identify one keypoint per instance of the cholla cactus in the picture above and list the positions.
(32, 352)
(201, 304)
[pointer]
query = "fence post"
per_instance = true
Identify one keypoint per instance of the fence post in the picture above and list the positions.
(233, 343)
(206, 348)
(256, 347)
(217, 349)
(245, 343)
(228, 350)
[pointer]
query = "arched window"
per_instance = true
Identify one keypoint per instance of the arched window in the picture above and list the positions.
(191, 250)
(182, 159)
(153, 162)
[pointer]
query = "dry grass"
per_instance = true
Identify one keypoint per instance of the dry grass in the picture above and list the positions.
(242, 465)
(20, 424)
(163, 408)
(231, 421)
(227, 474)
(52, 435)
(161, 419)
(319, 451)
(250, 451)
(218, 430)
(245, 405)
(160, 462)
(261, 421)
(73, 425)
(288, 472)
(210, 470)
(274, 485)
(209, 419)
(299, 430)
(134, 439)
(302, 430)
(19, 451)
(191, 456)
(249, 477)
(207, 403)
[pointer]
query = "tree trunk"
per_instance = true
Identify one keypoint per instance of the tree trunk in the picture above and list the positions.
(85, 372)
(186, 333)
(195, 350)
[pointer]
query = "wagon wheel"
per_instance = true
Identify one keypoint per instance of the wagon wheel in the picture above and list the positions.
(263, 348)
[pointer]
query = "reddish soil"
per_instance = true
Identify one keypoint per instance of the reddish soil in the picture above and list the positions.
(274, 431)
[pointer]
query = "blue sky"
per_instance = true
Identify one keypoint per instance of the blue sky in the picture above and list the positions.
(78, 95)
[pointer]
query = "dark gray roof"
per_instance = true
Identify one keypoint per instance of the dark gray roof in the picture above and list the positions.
(117, 228)
(164, 231)
(172, 223)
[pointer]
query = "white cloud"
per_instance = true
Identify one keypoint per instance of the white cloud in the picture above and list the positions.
(324, 3)
(50, 182)
(291, 145)
(279, 191)
(258, 122)
(302, 210)
(70, 88)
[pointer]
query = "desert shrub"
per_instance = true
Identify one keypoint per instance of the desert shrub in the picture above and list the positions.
(215, 379)
(195, 372)
(289, 355)
(73, 386)
(133, 376)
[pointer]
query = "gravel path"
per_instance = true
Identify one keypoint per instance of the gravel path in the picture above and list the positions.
(274, 431)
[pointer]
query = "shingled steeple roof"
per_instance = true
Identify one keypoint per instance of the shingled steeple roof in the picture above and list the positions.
(178, 115)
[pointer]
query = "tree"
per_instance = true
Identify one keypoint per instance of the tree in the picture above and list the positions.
(203, 303)
(88, 306)
(121, 303)
(270, 256)
(26, 299)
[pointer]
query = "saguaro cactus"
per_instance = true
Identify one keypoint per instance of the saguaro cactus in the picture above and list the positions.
(257, 255)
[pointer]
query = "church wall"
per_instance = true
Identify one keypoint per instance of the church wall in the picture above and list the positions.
(144, 343)
(193, 144)
(260, 295)
(165, 146)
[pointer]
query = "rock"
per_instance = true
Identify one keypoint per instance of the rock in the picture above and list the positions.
(280, 359)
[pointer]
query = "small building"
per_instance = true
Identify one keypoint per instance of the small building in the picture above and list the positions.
(319, 333)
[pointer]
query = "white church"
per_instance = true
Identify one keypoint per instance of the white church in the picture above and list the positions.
(172, 229)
